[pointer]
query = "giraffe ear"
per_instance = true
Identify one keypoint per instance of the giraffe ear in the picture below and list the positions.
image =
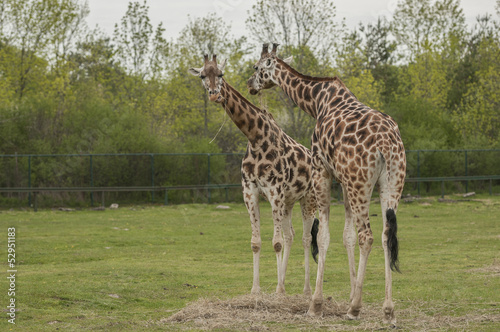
(195, 71)
(288, 60)
(222, 65)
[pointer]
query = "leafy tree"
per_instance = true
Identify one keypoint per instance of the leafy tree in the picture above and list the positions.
(352, 67)
(301, 23)
(379, 48)
(428, 80)
(141, 50)
(419, 25)
(478, 117)
(39, 29)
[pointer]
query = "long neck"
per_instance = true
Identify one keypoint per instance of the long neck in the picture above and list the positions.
(252, 121)
(313, 95)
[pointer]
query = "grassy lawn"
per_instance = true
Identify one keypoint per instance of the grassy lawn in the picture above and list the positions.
(132, 268)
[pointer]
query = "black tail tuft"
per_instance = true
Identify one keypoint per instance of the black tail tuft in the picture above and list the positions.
(314, 241)
(392, 239)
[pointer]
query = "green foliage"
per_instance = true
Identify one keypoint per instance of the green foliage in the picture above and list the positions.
(478, 117)
(67, 89)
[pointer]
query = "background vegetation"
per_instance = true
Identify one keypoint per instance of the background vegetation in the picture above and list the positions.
(67, 88)
(131, 268)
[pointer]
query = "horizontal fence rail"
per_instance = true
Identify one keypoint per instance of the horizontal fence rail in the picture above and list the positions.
(158, 174)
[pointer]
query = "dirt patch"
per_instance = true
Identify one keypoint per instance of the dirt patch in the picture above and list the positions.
(491, 270)
(272, 312)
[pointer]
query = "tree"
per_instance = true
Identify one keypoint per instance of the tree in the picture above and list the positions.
(378, 46)
(39, 29)
(298, 23)
(478, 116)
(419, 25)
(141, 50)
(353, 68)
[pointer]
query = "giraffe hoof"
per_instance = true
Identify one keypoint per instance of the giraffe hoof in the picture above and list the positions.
(352, 314)
(255, 290)
(315, 309)
(390, 321)
(389, 317)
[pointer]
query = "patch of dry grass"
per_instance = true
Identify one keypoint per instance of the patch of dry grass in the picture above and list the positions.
(272, 312)
(490, 270)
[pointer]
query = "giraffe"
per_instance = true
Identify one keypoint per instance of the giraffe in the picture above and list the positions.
(358, 147)
(275, 166)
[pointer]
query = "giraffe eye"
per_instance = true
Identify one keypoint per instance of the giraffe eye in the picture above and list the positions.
(202, 77)
(221, 75)
(255, 67)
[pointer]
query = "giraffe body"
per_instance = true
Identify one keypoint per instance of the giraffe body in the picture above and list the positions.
(359, 147)
(274, 166)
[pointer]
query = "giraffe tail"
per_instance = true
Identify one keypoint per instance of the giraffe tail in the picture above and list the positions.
(314, 242)
(392, 239)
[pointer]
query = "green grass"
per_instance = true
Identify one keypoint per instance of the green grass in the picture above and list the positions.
(127, 269)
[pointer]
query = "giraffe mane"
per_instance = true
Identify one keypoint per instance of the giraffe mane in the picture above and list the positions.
(307, 77)
(335, 79)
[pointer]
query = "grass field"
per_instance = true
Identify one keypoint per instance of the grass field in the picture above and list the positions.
(134, 267)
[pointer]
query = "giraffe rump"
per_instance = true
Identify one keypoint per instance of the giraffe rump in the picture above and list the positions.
(392, 239)
(314, 242)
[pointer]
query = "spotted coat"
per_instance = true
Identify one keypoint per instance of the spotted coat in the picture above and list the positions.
(359, 147)
(274, 166)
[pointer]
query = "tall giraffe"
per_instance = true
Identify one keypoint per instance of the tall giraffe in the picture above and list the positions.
(359, 147)
(274, 165)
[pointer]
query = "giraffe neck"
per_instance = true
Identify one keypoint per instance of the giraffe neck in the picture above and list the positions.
(317, 96)
(253, 122)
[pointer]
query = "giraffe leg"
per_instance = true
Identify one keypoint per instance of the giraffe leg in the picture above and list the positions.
(322, 183)
(389, 199)
(388, 306)
(288, 235)
(278, 210)
(350, 242)
(308, 208)
(360, 213)
(251, 198)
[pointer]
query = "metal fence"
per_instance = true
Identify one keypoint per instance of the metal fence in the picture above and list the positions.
(205, 177)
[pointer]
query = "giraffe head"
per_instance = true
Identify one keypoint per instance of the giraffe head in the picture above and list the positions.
(211, 77)
(264, 76)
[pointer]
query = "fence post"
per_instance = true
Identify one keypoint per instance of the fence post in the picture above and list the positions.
(208, 180)
(466, 174)
(35, 203)
(29, 180)
(166, 197)
(91, 181)
(152, 178)
(418, 171)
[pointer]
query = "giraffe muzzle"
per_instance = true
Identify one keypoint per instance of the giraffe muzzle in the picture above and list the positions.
(216, 97)
(253, 91)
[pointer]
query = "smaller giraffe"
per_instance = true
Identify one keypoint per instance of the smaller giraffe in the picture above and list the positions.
(275, 166)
